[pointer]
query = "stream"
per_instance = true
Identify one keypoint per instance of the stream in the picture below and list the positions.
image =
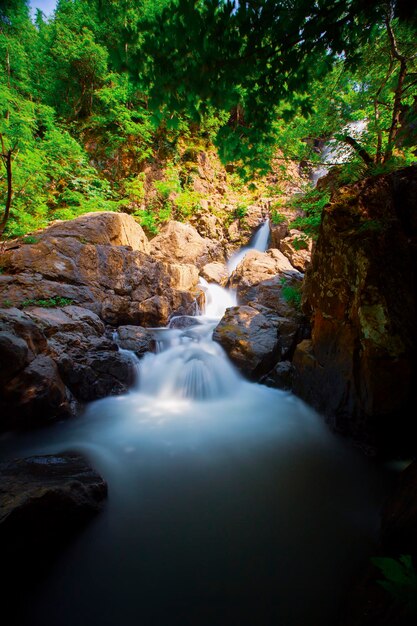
(230, 503)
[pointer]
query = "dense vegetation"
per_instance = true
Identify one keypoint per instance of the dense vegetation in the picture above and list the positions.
(104, 88)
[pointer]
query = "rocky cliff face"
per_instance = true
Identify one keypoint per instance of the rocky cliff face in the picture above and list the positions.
(359, 368)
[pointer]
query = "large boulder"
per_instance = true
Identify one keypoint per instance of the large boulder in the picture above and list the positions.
(181, 243)
(122, 285)
(49, 358)
(360, 368)
(250, 338)
(46, 499)
(215, 273)
(35, 395)
(258, 267)
(105, 228)
(89, 363)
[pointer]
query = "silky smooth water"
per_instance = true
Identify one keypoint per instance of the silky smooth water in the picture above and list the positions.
(229, 502)
(259, 242)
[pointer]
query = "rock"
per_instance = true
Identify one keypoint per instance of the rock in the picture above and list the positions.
(181, 243)
(297, 247)
(233, 232)
(360, 292)
(96, 374)
(89, 364)
(20, 325)
(206, 224)
(105, 228)
(368, 603)
(66, 320)
(280, 377)
(258, 267)
(399, 516)
(14, 355)
(35, 396)
(135, 338)
(255, 215)
(273, 295)
(278, 232)
(215, 273)
(250, 339)
(45, 499)
(113, 281)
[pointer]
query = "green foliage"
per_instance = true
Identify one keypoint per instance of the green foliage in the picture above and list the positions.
(169, 185)
(29, 239)
(7, 304)
(300, 243)
(240, 211)
(291, 293)
(49, 303)
(187, 202)
(400, 580)
(312, 204)
(91, 96)
(276, 217)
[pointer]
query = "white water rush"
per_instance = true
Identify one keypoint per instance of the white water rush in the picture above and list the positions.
(258, 242)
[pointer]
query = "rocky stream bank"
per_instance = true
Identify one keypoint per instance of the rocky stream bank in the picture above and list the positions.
(87, 287)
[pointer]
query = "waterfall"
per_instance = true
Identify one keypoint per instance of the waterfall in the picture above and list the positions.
(259, 242)
(223, 497)
(336, 152)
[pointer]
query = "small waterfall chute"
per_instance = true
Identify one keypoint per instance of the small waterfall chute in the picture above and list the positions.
(258, 242)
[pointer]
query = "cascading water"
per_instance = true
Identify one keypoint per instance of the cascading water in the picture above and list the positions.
(335, 152)
(259, 242)
(229, 502)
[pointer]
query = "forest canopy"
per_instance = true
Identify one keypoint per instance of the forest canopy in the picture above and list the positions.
(92, 94)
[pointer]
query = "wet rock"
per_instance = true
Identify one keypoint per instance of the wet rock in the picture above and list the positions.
(280, 377)
(250, 338)
(135, 338)
(35, 396)
(96, 374)
(215, 273)
(45, 499)
(360, 292)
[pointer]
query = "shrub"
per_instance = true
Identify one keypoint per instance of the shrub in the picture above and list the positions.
(291, 294)
(49, 303)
